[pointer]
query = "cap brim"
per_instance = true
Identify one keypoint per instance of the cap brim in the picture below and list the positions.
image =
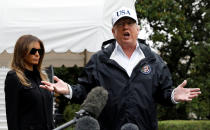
(124, 17)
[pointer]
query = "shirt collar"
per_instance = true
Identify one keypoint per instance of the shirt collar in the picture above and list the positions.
(118, 49)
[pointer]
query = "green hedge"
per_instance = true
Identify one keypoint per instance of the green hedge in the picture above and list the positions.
(181, 125)
(184, 125)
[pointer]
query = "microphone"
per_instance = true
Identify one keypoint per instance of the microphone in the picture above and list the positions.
(87, 123)
(92, 106)
(129, 126)
(95, 101)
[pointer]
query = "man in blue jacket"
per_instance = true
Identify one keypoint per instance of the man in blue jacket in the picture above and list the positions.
(135, 77)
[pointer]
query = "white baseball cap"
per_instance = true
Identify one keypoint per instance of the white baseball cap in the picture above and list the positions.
(124, 12)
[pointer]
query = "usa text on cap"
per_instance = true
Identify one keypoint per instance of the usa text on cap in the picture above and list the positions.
(124, 12)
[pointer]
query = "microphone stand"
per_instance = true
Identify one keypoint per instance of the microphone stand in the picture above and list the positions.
(71, 122)
(79, 114)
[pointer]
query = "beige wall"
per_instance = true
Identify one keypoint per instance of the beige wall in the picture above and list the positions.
(56, 59)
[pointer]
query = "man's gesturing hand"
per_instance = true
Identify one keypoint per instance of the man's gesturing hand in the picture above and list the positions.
(182, 94)
(59, 87)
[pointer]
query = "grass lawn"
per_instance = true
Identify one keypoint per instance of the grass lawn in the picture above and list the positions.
(180, 125)
(184, 125)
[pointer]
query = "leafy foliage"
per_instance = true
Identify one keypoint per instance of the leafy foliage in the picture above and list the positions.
(63, 105)
(181, 33)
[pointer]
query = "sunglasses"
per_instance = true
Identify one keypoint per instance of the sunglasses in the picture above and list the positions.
(34, 50)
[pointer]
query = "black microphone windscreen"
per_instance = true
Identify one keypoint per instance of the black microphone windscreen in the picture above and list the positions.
(95, 101)
(129, 126)
(87, 123)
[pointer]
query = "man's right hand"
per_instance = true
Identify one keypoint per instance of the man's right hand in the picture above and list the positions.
(59, 87)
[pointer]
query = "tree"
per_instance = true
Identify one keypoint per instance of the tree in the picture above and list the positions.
(200, 71)
(181, 33)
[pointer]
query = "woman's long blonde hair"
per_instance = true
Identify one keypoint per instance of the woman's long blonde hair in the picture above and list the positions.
(21, 49)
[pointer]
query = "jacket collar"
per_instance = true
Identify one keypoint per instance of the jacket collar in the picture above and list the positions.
(109, 46)
(30, 73)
